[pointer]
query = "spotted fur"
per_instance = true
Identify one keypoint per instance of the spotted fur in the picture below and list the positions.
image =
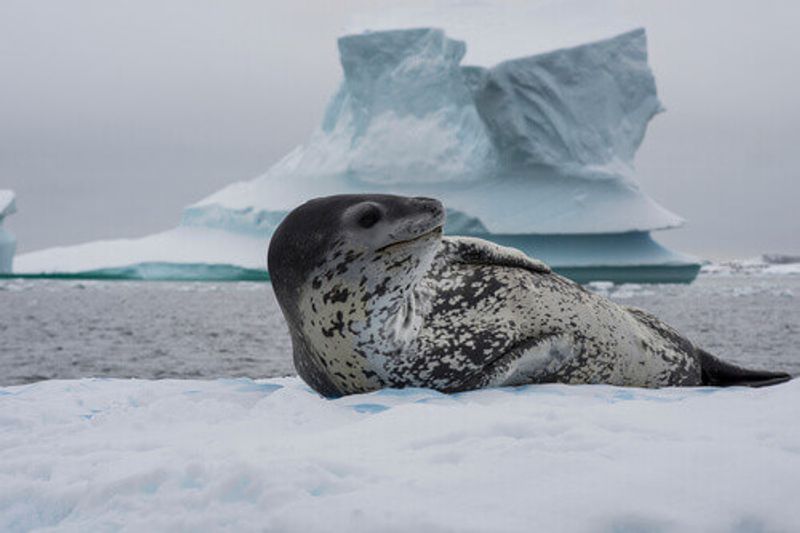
(396, 304)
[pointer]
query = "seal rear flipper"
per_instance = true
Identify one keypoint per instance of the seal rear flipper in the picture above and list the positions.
(718, 373)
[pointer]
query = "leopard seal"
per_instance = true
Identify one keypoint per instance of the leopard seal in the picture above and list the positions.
(375, 296)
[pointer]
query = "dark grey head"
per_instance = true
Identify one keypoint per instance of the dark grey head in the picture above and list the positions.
(365, 224)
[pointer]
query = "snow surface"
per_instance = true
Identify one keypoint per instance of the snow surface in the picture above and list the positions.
(270, 455)
(8, 243)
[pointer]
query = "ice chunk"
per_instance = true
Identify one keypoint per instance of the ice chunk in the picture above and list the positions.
(8, 243)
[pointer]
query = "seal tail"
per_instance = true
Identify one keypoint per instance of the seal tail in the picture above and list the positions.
(718, 373)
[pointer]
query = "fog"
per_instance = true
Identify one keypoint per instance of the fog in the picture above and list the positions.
(116, 114)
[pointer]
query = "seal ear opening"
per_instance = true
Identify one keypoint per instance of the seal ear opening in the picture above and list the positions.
(718, 373)
(369, 216)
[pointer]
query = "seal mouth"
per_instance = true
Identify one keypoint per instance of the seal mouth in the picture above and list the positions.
(436, 231)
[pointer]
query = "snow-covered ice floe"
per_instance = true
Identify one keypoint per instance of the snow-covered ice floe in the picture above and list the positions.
(8, 243)
(536, 152)
(270, 455)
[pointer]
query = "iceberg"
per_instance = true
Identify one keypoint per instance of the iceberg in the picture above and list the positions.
(8, 243)
(535, 152)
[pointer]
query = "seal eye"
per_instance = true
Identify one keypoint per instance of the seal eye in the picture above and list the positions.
(369, 217)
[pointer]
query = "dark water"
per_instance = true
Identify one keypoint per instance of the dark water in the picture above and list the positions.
(69, 329)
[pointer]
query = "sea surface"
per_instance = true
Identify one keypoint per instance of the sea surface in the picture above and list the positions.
(61, 329)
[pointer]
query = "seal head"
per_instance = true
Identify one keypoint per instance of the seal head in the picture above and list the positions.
(341, 267)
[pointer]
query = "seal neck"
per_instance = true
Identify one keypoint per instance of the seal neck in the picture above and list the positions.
(361, 311)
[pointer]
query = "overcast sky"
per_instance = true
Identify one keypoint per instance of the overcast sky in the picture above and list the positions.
(115, 114)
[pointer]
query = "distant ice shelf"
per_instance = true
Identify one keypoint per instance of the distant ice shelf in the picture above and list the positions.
(183, 253)
(8, 243)
(535, 152)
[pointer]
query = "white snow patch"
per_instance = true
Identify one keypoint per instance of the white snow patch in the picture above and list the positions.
(242, 455)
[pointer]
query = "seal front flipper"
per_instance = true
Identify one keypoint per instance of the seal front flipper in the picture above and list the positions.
(718, 373)
(473, 251)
